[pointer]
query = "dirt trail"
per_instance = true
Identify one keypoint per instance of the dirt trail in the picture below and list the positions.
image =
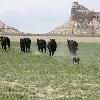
(59, 38)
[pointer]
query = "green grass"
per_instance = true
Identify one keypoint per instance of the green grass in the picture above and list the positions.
(35, 76)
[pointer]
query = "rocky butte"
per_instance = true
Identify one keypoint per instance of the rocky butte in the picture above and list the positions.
(82, 21)
(8, 30)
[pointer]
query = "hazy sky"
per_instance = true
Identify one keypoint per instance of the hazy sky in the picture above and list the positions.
(39, 16)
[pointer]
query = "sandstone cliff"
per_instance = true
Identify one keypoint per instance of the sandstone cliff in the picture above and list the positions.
(7, 30)
(81, 21)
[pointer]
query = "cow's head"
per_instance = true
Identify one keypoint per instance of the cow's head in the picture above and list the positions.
(52, 39)
(1, 37)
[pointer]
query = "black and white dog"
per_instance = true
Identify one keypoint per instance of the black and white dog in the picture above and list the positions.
(76, 60)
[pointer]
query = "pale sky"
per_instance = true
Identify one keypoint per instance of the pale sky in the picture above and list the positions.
(39, 16)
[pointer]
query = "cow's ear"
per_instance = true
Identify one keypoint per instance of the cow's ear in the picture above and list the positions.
(50, 39)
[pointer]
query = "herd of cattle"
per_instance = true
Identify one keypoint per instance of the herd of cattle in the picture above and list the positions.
(25, 44)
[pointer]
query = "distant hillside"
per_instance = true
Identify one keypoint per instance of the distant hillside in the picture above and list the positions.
(8, 30)
(81, 21)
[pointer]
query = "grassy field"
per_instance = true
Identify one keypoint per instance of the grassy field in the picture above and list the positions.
(36, 76)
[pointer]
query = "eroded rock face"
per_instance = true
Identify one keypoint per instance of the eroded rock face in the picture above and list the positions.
(81, 21)
(7, 30)
(80, 13)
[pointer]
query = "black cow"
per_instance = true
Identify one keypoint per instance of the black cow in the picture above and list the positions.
(41, 45)
(25, 44)
(73, 46)
(4, 42)
(52, 45)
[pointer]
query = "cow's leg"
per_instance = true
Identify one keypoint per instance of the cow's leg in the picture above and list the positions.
(38, 48)
(29, 48)
(2, 45)
(9, 46)
(26, 48)
(45, 49)
(50, 52)
(5, 47)
(23, 48)
(74, 52)
(42, 50)
(70, 50)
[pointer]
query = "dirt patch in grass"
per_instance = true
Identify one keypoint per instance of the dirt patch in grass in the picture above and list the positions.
(58, 38)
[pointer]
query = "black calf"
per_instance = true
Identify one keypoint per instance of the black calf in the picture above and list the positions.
(25, 44)
(5, 41)
(41, 45)
(52, 45)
